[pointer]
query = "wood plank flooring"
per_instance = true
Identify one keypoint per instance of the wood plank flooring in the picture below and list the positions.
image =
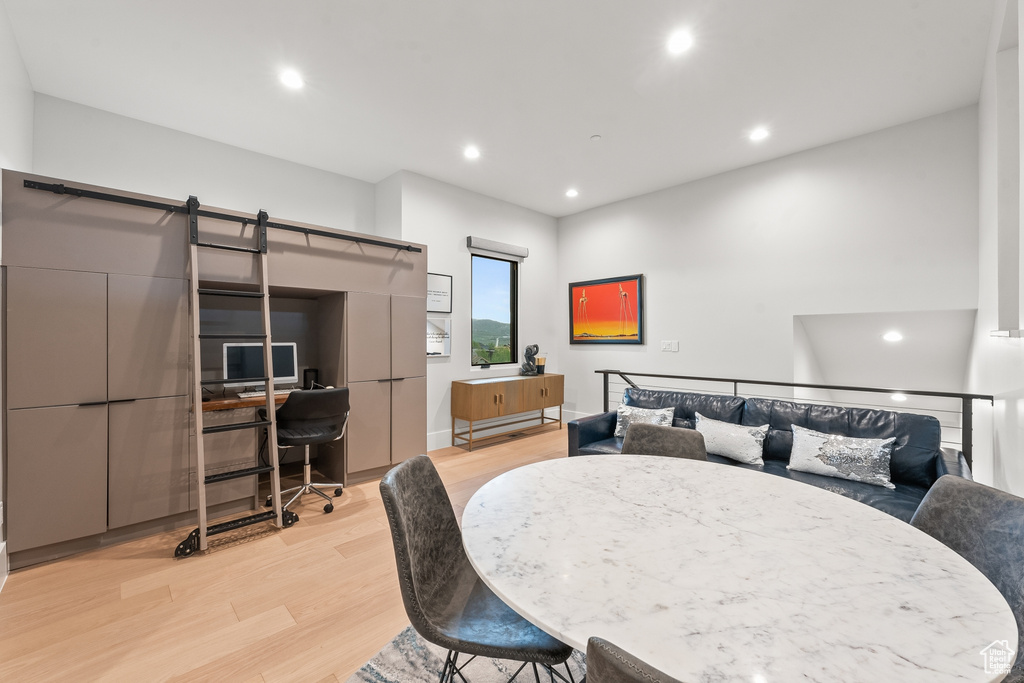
(309, 603)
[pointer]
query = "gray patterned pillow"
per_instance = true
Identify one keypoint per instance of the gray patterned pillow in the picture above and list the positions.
(654, 416)
(843, 457)
(733, 441)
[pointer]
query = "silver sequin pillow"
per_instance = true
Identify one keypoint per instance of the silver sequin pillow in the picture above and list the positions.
(843, 457)
(736, 442)
(654, 416)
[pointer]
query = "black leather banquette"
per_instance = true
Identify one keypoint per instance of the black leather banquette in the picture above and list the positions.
(917, 460)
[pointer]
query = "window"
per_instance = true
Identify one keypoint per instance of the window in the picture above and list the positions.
(494, 310)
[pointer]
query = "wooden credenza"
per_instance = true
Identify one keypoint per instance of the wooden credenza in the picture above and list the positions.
(491, 398)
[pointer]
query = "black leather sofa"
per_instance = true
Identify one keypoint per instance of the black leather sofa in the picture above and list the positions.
(917, 460)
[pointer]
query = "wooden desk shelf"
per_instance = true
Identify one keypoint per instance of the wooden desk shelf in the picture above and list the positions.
(496, 397)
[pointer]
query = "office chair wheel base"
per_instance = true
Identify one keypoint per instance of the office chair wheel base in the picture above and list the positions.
(269, 503)
(338, 491)
(288, 518)
(329, 507)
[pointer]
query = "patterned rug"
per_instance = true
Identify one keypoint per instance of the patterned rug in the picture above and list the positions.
(410, 659)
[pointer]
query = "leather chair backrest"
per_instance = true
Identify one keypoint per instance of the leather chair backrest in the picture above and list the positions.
(648, 439)
(312, 416)
(427, 540)
(715, 406)
(608, 663)
(985, 526)
(918, 437)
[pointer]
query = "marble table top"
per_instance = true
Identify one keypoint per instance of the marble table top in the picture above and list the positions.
(717, 573)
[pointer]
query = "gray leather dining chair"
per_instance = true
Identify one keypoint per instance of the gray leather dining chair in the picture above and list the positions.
(648, 439)
(446, 601)
(608, 663)
(986, 527)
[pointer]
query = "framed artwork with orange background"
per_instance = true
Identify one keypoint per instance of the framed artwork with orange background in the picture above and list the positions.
(609, 311)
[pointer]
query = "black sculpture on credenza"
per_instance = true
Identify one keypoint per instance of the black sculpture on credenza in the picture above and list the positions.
(530, 366)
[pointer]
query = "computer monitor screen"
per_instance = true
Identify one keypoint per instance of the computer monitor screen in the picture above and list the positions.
(245, 361)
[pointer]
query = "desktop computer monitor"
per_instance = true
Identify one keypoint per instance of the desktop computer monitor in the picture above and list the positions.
(245, 360)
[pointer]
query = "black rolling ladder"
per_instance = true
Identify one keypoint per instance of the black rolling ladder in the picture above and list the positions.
(197, 539)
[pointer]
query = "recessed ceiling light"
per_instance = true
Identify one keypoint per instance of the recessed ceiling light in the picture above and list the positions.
(572, 192)
(899, 397)
(292, 79)
(892, 336)
(759, 133)
(471, 152)
(680, 41)
(595, 138)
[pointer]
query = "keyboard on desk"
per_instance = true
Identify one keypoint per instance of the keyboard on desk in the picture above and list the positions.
(257, 394)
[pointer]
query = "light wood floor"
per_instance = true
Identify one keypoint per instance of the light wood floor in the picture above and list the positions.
(309, 603)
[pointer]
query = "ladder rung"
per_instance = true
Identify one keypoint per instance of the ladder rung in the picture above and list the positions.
(243, 380)
(235, 427)
(214, 529)
(238, 474)
(240, 335)
(228, 247)
(230, 292)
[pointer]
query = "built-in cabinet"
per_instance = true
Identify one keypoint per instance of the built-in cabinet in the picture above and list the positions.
(99, 439)
(386, 367)
(108, 354)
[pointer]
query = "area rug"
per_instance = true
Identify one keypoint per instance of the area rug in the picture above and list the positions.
(410, 659)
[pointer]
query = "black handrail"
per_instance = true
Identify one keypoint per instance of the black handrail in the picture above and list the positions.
(966, 412)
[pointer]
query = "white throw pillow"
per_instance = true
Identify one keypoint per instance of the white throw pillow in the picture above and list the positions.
(654, 416)
(843, 457)
(736, 442)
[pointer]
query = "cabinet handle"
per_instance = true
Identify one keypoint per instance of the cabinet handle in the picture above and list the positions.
(501, 399)
(495, 399)
(94, 403)
(397, 379)
(384, 380)
(122, 400)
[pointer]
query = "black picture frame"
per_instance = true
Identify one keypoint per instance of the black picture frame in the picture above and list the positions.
(606, 315)
(439, 293)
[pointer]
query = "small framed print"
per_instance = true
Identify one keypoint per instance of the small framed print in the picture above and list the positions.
(439, 293)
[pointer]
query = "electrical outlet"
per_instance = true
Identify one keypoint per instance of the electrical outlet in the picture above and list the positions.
(670, 345)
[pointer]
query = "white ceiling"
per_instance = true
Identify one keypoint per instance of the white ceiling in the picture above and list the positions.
(405, 84)
(932, 356)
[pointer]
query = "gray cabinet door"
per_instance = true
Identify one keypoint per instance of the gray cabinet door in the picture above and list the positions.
(369, 425)
(56, 475)
(224, 452)
(148, 460)
(147, 337)
(56, 337)
(368, 336)
(408, 337)
(408, 418)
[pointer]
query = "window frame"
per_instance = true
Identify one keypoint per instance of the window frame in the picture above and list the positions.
(513, 309)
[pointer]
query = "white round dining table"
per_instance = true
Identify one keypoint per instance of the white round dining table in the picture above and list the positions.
(717, 573)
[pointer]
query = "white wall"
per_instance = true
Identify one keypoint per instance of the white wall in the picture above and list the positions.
(997, 363)
(75, 142)
(15, 102)
(881, 222)
(442, 216)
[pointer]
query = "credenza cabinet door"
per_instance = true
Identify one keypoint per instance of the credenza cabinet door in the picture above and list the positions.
(408, 419)
(369, 425)
(148, 460)
(56, 337)
(147, 337)
(57, 481)
(408, 337)
(368, 336)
